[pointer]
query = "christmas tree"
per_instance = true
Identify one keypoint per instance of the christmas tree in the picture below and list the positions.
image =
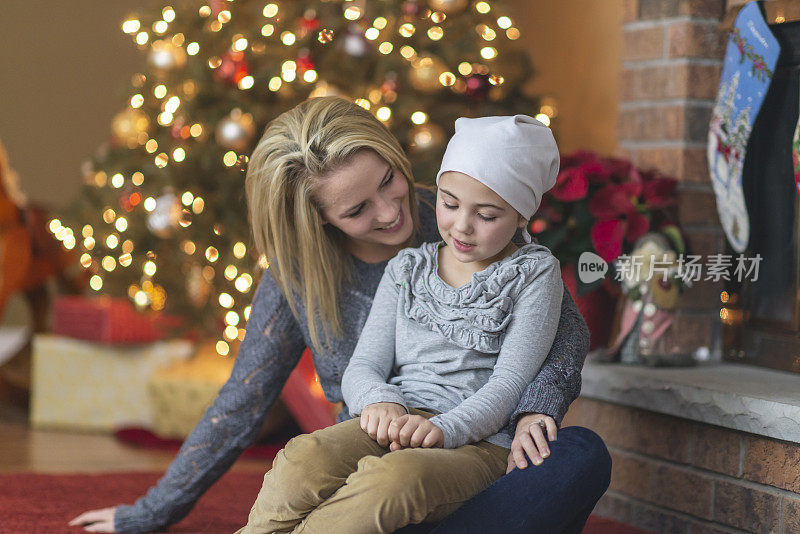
(161, 217)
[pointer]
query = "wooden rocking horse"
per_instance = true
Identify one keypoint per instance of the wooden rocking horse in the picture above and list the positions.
(29, 256)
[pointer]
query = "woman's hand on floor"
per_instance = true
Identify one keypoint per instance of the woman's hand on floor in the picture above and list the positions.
(375, 419)
(96, 520)
(530, 439)
(414, 431)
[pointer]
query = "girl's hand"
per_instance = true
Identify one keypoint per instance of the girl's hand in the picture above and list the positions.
(96, 520)
(375, 419)
(530, 438)
(414, 431)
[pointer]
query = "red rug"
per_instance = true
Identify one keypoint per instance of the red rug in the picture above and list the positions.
(145, 439)
(35, 503)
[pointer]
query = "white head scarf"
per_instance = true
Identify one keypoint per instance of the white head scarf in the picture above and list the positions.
(516, 157)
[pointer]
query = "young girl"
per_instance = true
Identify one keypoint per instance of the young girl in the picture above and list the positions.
(456, 331)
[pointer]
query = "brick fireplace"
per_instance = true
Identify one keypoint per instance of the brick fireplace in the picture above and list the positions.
(694, 451)
(671, 64)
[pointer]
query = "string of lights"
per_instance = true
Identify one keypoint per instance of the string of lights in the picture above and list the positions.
(161, 217)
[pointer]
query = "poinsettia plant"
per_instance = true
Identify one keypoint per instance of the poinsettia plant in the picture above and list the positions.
(603, 205)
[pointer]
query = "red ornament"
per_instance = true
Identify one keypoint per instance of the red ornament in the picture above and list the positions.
(128, 201)
(177, 125)
(232, 69)
(305, 62)
(478, 86)
(216, 6)
(411, 8)
(306, 24)
(388, 87)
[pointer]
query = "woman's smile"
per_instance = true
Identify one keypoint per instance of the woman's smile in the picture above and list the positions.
(395, 225)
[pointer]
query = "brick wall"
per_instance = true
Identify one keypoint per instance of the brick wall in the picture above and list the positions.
(671, 63)
(671, 475)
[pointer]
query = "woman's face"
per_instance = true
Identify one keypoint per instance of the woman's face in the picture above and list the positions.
(475, 222)
(368, 201)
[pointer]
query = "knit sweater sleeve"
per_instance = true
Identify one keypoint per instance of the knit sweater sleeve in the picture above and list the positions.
(558, 383)
(364, 380)
(271, 348)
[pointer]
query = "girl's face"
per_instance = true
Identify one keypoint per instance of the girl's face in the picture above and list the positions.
(475, 222)
(368, 201)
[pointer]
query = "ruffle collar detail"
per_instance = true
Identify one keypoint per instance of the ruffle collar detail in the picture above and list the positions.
(475, 315)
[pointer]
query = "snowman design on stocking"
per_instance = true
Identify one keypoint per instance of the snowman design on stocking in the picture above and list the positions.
(747, 73)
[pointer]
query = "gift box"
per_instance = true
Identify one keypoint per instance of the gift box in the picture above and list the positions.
(107, 320)
(304, 398)
(181, 392)
(89, 386)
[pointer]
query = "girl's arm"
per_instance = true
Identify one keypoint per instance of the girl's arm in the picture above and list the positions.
(364, 380)
(558, 383)
(526, 344)
(271, 349)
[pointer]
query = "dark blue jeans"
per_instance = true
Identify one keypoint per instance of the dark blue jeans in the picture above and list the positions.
(556, 497)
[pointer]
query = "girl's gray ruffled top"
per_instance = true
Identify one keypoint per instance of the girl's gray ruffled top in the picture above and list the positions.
(274, 342)
(465, 353)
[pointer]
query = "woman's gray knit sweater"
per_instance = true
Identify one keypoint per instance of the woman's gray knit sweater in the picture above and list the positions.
(273, 344)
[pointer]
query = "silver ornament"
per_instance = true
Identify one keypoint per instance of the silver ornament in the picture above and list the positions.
(236, 131)
(165, 217)
(164, 55)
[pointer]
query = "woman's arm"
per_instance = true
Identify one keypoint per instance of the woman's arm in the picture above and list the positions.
(526, 343)
(364, 380)
(271, 349)
(558, 383)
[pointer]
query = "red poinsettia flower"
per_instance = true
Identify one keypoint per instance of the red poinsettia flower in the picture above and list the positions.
(660, 192)
(607, 238)
(623, 171)
(613, 200)
(571, 185)
(623, 203)
(578, 158)
(637, 226)
(596, 172)
(608, 235)
(614, 205)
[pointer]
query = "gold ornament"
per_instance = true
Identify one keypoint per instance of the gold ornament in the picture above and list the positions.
(325, 89)
(236, 131)
(425, 73)
(325, 36)
(426, 137)
(164, 55)
(448, 6)
(128, 124)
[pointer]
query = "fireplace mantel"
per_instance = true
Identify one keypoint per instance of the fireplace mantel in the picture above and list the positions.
(751, 399)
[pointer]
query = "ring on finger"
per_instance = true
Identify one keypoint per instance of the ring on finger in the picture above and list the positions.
(540, 423)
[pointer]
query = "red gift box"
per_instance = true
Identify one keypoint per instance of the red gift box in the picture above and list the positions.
(106, 320)
(304, 398)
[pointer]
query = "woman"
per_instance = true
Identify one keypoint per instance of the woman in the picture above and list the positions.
(331, 199)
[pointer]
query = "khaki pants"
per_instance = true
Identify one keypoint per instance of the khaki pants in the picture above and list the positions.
(339, 480)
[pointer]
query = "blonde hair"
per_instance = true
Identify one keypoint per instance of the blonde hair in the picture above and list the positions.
(298, 149)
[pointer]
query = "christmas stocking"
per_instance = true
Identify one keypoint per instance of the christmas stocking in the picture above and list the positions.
(746, 75)
(796, 157)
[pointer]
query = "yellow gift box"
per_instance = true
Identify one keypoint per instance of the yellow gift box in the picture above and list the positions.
(181, 392)
(90, 386)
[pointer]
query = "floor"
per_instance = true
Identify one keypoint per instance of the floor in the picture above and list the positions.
(23, 448)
